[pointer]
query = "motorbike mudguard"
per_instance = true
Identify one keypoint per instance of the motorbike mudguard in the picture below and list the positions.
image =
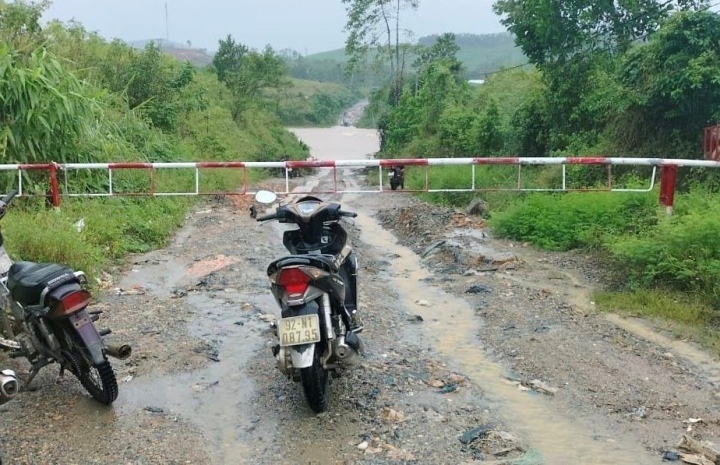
(85, 328)
(5, 261)
(302, 356)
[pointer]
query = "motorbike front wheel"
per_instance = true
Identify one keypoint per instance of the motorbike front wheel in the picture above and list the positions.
(316, 382)
(98, 380)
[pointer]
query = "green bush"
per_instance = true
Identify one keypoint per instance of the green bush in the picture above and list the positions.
(568, 221)
(682, 252)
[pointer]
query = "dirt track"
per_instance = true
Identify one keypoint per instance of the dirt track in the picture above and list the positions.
(477, 350)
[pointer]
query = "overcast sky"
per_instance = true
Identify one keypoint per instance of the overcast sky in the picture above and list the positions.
(307, 26)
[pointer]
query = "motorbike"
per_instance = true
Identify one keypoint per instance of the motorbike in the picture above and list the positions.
(397, 177)
(44, 318)
(316, 290)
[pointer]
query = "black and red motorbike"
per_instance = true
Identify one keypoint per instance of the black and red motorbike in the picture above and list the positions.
(316, 290)
(397, 177)
(44, 318)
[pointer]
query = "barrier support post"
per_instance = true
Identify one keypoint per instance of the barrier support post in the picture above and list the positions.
(668, 179)
(54, 189)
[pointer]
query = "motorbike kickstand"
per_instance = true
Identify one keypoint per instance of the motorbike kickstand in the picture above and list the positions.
(36, 367)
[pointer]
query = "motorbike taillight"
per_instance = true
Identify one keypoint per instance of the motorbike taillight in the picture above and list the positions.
(72, 303)
(294, 280)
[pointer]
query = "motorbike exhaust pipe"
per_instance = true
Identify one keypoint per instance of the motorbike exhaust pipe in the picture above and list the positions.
(343, 351)
(119, 351)
(9, 385)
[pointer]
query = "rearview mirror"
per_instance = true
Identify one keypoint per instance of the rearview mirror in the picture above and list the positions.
(266, 197)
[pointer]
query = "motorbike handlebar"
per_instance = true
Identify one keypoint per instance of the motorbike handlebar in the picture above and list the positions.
(8, 197)
(271, 216)
(347, 213)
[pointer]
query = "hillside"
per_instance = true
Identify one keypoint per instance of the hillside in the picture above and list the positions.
(183, 52)
(480, 53)
(313, 103)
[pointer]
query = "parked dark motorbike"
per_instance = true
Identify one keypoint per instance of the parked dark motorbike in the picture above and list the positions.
(316, 289)
(397, 177)
(44, 318)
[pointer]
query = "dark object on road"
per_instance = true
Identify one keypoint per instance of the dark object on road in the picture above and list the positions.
(477, 289)
(475, 433)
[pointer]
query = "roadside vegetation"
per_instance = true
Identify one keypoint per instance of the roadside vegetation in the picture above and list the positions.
(638, 80)
(67, 95)
(312, 103)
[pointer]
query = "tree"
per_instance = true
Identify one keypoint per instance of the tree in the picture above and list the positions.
(246, 73)
(374, 25)
(673, 85)
(228, 59)
(444, 49)
(572, 42)
(554, 31)
(19, 23)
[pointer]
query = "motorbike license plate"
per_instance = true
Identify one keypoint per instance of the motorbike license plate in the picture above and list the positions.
(296, 330)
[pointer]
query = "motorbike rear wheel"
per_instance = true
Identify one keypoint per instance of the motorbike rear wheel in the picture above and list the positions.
(98, 380)
(316, 382)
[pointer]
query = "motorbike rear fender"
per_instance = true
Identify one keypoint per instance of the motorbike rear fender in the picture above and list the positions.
(89, 335)
(302, 356)
(5, 261)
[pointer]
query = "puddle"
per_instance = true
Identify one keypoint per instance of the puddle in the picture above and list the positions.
(558, 439)
(158, 276)
(339, 143)
(215, 398)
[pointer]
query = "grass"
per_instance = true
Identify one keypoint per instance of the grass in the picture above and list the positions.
(113, 228)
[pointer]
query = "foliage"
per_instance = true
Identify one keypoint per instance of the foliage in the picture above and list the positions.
(480, 54)
(681, 253)
(578, 46)
(310, 103)
(248, 73)
(375, 25)
(41, 105)
(568, 221)
(552, 32)
(68, 95)
(444, 50)
(673, 86)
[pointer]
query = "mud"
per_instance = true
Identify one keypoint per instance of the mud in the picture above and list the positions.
(478, 350)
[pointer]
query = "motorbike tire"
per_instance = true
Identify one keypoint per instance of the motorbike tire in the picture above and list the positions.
(316, 382)
(393, 184)
(104, 389)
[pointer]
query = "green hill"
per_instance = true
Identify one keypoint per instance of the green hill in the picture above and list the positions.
(183, 52)
(480, 53)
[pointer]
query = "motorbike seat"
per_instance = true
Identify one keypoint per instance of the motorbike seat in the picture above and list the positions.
(324, 262)
(27, 280)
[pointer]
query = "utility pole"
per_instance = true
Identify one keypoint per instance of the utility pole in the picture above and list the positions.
(167, 24)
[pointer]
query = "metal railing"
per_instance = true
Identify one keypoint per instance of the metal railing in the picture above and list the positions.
(59, 185)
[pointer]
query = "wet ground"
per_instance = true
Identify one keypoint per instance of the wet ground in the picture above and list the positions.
(477, 351)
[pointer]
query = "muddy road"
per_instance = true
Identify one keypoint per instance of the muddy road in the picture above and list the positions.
(477, 351)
